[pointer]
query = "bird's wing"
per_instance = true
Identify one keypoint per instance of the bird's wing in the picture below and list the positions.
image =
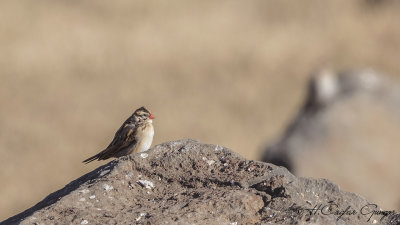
(124, 137)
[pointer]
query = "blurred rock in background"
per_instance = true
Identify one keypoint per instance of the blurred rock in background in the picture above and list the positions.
(348, 131)
(72, 71)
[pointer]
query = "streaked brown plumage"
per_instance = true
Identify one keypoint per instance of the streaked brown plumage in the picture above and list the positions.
(135, 135)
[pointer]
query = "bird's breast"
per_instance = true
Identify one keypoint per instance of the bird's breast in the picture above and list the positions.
(147, 138)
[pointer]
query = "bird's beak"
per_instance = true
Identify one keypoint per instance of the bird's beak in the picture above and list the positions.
(151, 116)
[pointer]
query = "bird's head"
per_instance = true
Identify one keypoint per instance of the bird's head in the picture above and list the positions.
(142, 114)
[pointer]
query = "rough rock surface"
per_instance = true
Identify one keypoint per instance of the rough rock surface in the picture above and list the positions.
(347, 131)
(186, 182)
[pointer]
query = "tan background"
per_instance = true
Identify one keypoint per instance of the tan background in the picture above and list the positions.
(224, 72)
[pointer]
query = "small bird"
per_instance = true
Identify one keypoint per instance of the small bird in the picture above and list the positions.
(135, 135)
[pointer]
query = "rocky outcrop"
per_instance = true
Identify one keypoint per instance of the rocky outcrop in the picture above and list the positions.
(187, 182)
(348, 131)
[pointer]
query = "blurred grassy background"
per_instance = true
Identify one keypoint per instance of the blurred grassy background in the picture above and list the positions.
(224, 72)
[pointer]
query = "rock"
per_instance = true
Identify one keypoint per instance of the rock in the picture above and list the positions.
(348, 131)
(176, 184)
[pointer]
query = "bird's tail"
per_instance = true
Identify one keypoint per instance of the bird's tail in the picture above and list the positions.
(95, 157)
